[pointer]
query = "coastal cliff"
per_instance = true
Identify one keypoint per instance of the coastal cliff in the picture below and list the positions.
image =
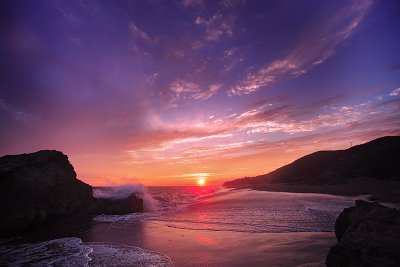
(372, 168)
(368, 234)
(378, 158)
(42, 186)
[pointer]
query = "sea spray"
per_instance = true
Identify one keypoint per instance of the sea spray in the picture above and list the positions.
(123, 191)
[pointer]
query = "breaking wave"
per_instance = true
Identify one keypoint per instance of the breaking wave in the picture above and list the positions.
(123, 191)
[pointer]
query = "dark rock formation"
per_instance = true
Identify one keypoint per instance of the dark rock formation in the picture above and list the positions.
(37, 187)
(120, 206)
(368, 235)
(42, 186)
(378, 158)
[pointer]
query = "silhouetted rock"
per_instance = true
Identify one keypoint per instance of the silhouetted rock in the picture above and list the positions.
(378, 158)
(127, 205)
(42, 186)
(368, 234)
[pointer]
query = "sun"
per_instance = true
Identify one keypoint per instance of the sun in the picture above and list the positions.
(201, 181)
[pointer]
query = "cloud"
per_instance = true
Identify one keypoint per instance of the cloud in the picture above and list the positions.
(3, 105)
(181, 86)
(395, 68)
(231, 59)
(230, 52)
(308, 53)
(187, 3)
(196, 139)
(395, 92)
(217, 26)
(192, 90)
(139, 38)
(137, 33)
(213, 89)
(321, 124)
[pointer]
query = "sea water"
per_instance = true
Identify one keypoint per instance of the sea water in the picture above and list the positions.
(189, 208)
(219, 209)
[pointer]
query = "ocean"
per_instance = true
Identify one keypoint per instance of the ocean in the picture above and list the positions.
(194, 226)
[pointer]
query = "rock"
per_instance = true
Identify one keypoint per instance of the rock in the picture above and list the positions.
(368, 234)
(38, 187)
(127, 205)
(42, 186)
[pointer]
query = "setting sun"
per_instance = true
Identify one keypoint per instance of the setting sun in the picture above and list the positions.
(194, 132)
(201, 181)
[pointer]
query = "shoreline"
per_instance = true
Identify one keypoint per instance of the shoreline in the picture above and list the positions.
(199, 247)
(202, 247)
(374, 189)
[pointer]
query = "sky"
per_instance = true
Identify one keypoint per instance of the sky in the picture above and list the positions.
(167, 92)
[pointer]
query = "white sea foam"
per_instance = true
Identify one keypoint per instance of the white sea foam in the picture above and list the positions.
(121, 218)
(123, 191)
(107, 254)
(62, 252)
(71, 251)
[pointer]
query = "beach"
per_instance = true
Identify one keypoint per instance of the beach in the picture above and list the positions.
(223, 248)
(197, 227)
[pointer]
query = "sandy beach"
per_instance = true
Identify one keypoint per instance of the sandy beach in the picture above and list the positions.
(222, 248)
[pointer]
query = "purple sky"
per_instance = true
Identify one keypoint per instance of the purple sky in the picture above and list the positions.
(214, 89)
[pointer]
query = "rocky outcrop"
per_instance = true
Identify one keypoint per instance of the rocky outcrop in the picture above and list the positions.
(42, 186)
(119, 206)
(368, 234)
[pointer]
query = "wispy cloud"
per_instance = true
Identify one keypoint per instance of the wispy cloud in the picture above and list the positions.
(212, 89)
(182, 86)
(395, 92)
(188, 3)
(3, 105)
(217, 26)
(235, 136)
(192, 90)
(192, 139)
(137, 33)
(395, 68)
(309, 52)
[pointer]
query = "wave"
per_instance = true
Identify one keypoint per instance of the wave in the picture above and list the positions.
(166, 200)
(123, 191)
(239, 211)
(72, 251)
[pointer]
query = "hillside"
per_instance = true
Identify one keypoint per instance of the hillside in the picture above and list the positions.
(378, 158)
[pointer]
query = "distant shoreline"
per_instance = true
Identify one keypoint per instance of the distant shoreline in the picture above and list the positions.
(380, 190)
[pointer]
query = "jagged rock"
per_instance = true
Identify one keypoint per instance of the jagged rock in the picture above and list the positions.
(368, 234)
(127, 205)
(42, 186)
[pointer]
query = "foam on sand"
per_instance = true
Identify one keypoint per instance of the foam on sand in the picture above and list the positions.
(63, 252)
(71, 251)
(107, 254)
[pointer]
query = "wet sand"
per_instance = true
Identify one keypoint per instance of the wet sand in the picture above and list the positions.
(217, 248)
